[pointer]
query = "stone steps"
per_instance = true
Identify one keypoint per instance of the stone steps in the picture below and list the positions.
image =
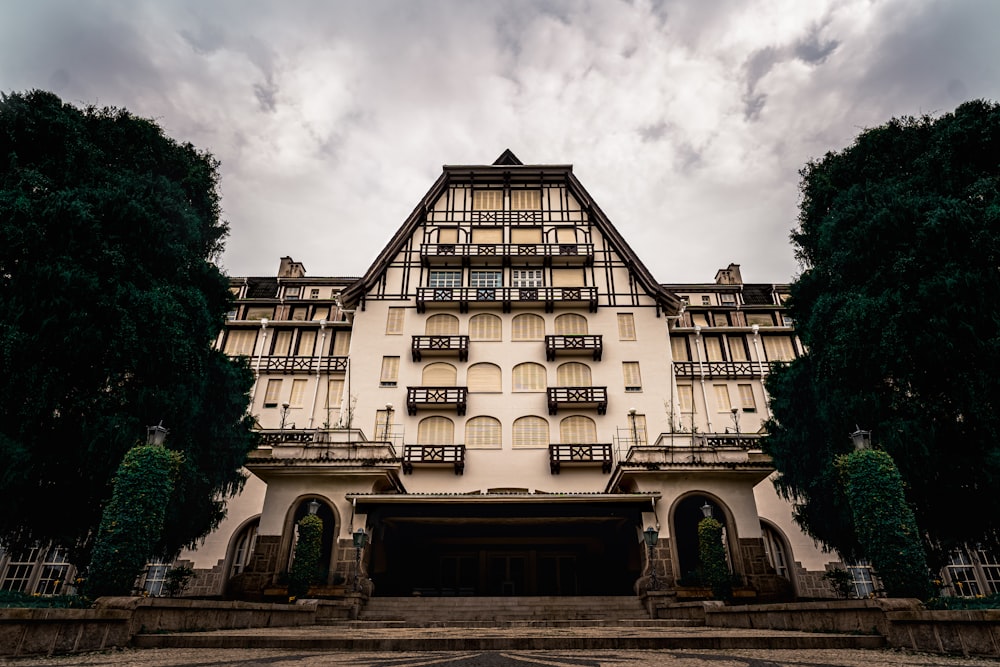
(421, 611)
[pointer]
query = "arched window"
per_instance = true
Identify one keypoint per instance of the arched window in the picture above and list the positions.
(571, 324)
(482, 433)
(577, 430)
(436, 431)
(485, 327)
(529, 377)
(774, 547)
(573, 374)
(484, 378)
(243, 547)
(441, 325)
(527, 326)
(531, 432)
(439, 375)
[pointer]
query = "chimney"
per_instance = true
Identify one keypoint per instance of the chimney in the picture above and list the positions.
(729, 275)
(289, 268)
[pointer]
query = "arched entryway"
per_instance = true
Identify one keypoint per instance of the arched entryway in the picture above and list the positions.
(325, 512)
(687, 514)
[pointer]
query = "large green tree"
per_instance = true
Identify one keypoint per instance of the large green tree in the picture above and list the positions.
(898, 307)
(110, 301)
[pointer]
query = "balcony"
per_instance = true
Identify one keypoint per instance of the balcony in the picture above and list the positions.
(580, 455)
(578, 397)
(291, 365)
(435, 398)
(449, 346)
(723, 369)
(574, 346)
(507, 297)
(433, 455)
(545, 254)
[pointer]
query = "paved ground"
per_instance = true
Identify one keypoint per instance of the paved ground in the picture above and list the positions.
(681, 658)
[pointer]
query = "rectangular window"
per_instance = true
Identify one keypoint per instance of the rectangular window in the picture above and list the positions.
(334, 394)
(314, 293)
(720, 319)
(53, 573)
(527, 278)
(778, 348)
(298, 393)
(321, 313)
(706, 300)
(299, 314)
(679, 348)
(445, 279)
(260, 313)
(722, 402)
(728, 299)
(18, 572)
(787, 321)
(637, 424)
(713, 348)
(448, 235)
(307, 343)
(626, 326)
(630, 371)
(240, 341)
(341, 344)
(737, 348)
(747, 401)
(699, 319)
(382, 426)
(525, 200)
(760, 319)
(390, 372)
(293, 292)
(394, 321)
(862, 579)
(282, 343)
(272, 393)
(156, 577)
(485, 279)
(487, 200)
(685, 396)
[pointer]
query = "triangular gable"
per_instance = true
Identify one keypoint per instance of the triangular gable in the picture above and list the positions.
(507, 159)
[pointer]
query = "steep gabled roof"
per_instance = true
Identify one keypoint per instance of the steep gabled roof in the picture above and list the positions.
(509, 169)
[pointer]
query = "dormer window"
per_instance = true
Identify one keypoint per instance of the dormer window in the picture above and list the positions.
(293, 292)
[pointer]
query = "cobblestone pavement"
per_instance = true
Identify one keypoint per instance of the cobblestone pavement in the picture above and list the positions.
(668, 658)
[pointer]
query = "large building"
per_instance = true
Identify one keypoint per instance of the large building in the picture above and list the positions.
(506, 403)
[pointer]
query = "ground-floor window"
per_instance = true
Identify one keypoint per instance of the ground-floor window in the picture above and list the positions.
(862, 579)
(155, 578)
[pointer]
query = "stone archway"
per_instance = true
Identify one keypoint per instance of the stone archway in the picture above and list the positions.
(687, 514)
(330, 527)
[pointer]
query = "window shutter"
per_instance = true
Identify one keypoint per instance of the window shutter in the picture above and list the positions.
(713, 348)
(482, 433)
(487, 200)
(334, 394)
(528, 326)
(282, 343)
(341, 343)
(737, 348)
(526, 235)
(573, 374)
(307, 343)
(390, 371)
(685, 396)
(722, 401)
(778, 348)
(571, 324)
(394, 321)
(529, 377)
(577, 430)
(567, 278)
(240, 341)
(272, 393)
(439, 375)
(525, 200)
(298, 392)
(626, 326)
(679, 348)
(321, 313)
(746, 397)
(630, 371)
(448, 235)
(639, 423)
(487, 235)
(441, 325)
(531, 432)
(699, 319)
(436, 431)
(484, 378)
(485, 327)
(565, 234)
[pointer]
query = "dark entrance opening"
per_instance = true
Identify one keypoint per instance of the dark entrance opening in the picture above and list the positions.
(501, 550)
(687, 516)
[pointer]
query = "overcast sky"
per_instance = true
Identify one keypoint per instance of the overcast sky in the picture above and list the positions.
(686, 120)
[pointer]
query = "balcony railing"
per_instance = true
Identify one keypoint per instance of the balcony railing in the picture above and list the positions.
(440, 345)
(272, 437)
(729, 441)
(594, 455)
(506, 296)
(436, 397)
(581, 254)
(432, 455)
(723, 369)
(574, 345)
(578, 397)
(288, 365)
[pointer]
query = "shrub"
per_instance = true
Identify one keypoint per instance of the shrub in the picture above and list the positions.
(712, 555)
(305, 567)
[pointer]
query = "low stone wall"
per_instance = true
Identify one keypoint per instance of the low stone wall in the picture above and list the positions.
(114, 621)
(967, 632)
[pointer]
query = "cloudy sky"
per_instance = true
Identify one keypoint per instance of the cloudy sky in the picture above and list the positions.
(687, 120)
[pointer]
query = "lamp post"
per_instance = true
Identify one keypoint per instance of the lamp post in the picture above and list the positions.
(862, 439)
(313, 506)
(651, 536)
(156, 435)
(706, 510)
(360, 539)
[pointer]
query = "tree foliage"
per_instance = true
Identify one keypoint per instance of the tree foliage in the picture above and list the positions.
(306, 567)
(111, 301)
(712, 565)
(885, 523)
(899, 240)
(133, 520)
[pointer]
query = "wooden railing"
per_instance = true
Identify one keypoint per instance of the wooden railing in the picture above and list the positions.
(578, 397)
(561, 344)
(507, 296)
(578, 253)
(288, 364)
(440, 345)
(436, 397)
(580, 455)
(723, 369)
(433, 455)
